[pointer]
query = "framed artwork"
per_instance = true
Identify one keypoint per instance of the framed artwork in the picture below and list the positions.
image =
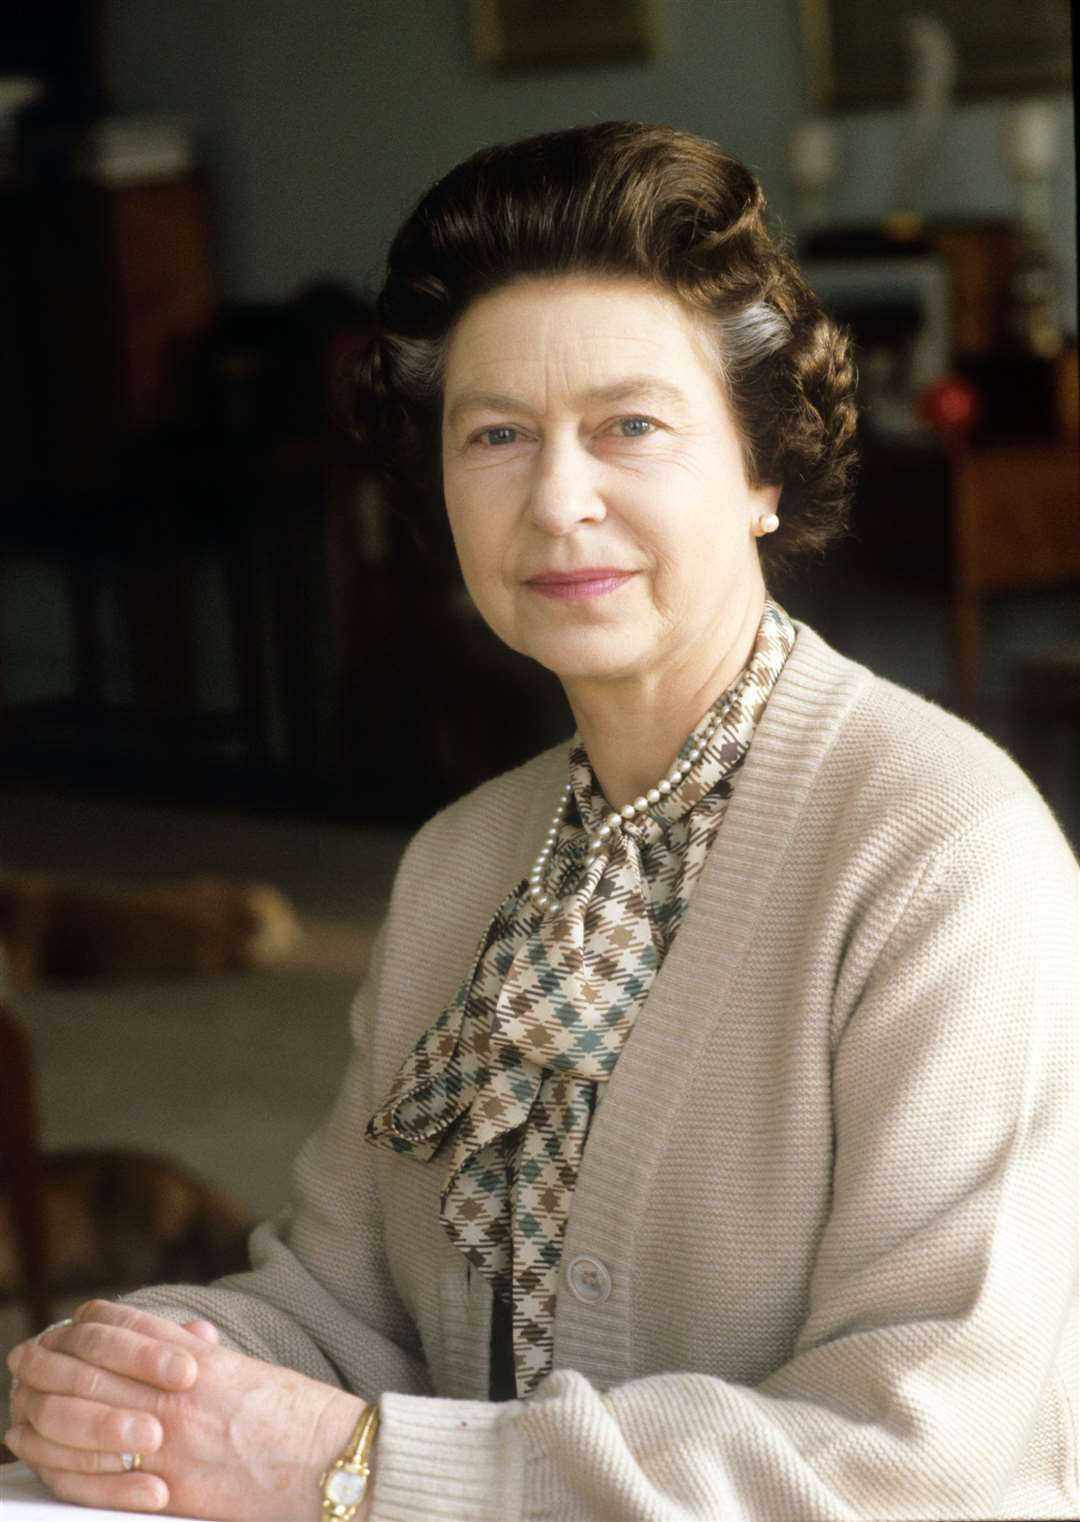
(898, 310)
(541, 34)
(856, 54)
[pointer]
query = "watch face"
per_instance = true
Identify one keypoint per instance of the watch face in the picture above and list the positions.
(345, 1489)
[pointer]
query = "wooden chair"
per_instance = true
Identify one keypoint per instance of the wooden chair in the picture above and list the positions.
(1015, 525)
(21, 1165)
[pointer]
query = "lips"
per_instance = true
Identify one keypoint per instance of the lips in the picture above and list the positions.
(580, 585)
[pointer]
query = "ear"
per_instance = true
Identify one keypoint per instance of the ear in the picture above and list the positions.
(766, 499)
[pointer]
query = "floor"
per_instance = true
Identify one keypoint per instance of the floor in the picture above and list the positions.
(227, 1075)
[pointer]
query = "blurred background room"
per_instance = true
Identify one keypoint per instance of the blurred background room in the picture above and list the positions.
(233, 677)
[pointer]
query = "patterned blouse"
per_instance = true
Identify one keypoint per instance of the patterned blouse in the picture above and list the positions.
(502, 1087)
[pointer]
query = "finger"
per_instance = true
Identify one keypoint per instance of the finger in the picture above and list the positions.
(122, 1492)
(122, 1351)
(14, 1354)
(15, 1401)
(205, 1331)
(37, 1451)
(89, 1424)
(46, 1370)
(131, 1317)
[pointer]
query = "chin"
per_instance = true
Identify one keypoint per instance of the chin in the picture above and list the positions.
(583, 659)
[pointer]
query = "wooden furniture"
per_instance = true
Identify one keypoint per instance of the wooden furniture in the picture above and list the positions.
(1015, 526)
(21, 1165)
(104, 288)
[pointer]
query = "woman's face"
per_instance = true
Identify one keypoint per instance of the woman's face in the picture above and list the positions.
(594, 480)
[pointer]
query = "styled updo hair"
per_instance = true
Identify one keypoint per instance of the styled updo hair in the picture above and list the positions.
(620, 199)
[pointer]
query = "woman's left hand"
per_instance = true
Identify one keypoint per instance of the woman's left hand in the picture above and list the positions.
(228, 1437)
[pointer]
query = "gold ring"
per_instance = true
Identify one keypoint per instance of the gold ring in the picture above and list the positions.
(131, 1462)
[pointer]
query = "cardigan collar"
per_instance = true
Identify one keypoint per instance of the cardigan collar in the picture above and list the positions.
(809, 702)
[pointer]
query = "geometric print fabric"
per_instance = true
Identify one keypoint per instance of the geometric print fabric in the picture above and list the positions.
(502, 1087)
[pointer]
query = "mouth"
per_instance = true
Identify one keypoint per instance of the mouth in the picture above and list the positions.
(579, 586)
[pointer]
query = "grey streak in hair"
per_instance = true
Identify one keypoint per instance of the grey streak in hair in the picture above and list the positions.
(419, 364)
(746, 337)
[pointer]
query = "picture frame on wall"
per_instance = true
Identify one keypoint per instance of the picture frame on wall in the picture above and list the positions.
(857, 56)
(511, 35)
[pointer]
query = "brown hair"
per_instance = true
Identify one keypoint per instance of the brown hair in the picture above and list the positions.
(621, 198)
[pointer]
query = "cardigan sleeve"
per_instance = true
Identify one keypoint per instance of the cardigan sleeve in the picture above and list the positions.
(942, 1287)
(319, 1297)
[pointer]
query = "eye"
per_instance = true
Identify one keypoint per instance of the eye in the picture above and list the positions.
(492, 438)
(634, 427)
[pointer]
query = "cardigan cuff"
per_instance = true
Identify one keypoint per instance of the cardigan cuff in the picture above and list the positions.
(453, 1460)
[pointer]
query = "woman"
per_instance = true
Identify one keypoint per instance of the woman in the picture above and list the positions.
(725, 1171)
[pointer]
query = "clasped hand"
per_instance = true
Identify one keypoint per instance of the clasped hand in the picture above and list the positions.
(221, 1435)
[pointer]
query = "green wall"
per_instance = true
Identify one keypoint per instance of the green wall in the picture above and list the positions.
(323, 120)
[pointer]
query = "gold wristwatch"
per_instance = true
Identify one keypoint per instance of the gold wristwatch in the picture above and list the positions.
(345, 1483)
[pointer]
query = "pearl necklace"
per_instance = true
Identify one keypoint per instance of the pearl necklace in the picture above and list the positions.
(603, 839)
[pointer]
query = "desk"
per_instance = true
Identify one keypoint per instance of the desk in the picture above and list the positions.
(1014, 528)
(23, 1498)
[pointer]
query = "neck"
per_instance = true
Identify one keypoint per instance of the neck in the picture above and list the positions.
(632, 727)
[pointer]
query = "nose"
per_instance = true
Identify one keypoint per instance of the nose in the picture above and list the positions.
(564, 490)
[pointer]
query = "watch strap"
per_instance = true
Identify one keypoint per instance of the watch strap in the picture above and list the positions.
(345, 1483)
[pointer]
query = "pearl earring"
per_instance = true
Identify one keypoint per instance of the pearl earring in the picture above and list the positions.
(768, 523)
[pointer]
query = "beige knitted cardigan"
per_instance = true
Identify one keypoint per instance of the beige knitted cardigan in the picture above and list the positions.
(832, 1182)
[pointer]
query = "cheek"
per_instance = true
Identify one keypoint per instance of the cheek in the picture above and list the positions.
(460, 512)
(479, 547)
(691, 567)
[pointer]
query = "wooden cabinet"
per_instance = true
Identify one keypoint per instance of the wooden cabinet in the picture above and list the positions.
(1015, 525)
(104, 289)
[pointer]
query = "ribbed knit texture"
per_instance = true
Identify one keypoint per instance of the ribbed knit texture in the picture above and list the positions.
(832, 1182)
(500, 1091)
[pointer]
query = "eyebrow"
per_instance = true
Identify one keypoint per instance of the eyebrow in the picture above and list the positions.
(644, 386)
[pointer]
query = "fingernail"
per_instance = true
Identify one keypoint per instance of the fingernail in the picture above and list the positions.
(178, 1369)
(154, 1497)
(11, 1437)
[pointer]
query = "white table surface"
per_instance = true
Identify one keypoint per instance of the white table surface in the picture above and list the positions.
(23, 1498)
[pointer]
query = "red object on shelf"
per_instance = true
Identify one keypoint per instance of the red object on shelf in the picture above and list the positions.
(952, 405)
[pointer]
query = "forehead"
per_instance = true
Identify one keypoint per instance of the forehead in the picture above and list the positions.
(579, 328)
